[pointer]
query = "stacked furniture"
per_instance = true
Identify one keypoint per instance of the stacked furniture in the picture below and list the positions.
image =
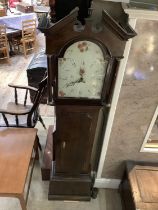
(28, 35)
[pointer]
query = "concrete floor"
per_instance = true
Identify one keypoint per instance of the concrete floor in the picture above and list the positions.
(106, 200)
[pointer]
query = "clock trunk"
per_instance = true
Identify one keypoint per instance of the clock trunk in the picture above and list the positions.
(74, 139)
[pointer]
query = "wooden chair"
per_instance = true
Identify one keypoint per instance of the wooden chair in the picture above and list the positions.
(4, 47)
(28, 35)
(22, 115)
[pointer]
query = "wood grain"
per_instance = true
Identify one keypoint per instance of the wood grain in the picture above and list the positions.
(15, 153)
(140, 183)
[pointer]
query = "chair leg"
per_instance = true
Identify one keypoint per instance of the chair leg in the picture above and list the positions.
(7, 53)
(34, 43)
(36, 152)
(41, 121)
(24, 48)
(38, 143)
(36, 146)
(22, 202)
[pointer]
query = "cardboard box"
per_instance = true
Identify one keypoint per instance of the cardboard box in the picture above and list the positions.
(2, 12)
(25, 8)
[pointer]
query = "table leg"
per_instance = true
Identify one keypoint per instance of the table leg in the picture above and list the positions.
(11, 52)
(22, 202)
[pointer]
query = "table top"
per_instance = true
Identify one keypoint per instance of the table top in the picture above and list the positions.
(15, 21)
(16, 145)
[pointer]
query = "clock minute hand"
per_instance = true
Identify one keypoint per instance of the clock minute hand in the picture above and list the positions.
(77, 81)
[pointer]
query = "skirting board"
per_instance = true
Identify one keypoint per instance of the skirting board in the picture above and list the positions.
(126, 1)
(107, 183)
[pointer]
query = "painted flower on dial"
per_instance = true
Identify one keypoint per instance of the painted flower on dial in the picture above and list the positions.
(82, 71)
(82, 46)
(61, 93)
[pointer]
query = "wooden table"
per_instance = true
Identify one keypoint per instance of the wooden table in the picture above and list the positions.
(16, 146)
(15, 21)
(139, 187)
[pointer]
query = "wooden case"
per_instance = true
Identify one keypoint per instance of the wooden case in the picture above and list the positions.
(139, 187)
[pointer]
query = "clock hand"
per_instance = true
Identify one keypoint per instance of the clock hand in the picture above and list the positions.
(77, 81)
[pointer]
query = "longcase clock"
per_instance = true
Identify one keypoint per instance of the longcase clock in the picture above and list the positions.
(82, 66)
(82, 85)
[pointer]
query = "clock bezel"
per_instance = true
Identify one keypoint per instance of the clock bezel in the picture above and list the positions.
(109, 69)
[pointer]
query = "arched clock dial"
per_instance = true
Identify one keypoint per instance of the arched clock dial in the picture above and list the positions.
(82, 70)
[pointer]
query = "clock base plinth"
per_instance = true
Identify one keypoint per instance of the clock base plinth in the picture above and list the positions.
(70, 188)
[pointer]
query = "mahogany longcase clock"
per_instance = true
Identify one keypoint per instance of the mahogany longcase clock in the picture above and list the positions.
(82, 65)
(82, 85)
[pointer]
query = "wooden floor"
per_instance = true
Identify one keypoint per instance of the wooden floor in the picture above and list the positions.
(14, 71)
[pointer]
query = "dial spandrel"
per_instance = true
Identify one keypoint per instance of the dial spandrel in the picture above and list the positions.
(81, 72)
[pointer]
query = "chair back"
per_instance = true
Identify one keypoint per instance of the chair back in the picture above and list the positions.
(3, 37)
(29, 29)
(34, 113)
(4, 47)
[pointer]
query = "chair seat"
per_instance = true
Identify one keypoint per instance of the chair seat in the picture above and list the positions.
(12, 107)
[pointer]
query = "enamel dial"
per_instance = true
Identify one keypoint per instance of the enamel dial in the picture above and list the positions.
(81, 71)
